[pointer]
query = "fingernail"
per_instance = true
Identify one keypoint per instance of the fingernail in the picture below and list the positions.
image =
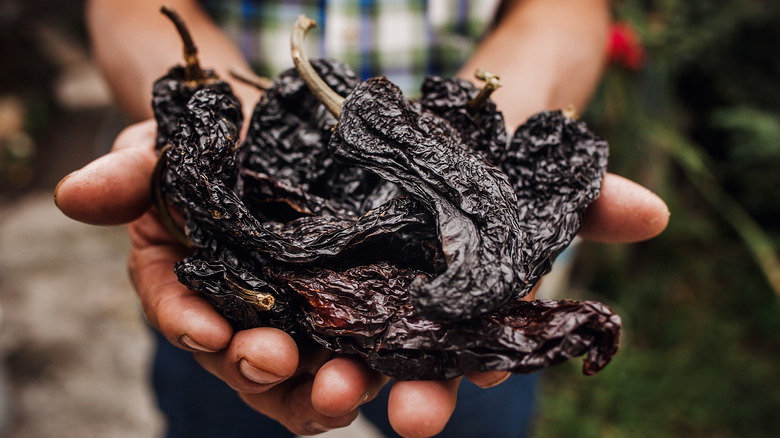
(255, 374)
(317, 427)
(496, 381)
(57, 189)
(186, 340)
(363, 399)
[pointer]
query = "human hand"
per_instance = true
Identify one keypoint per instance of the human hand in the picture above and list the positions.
(303, 387)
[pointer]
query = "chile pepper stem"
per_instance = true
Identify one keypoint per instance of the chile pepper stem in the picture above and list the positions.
(316, 84)
(262, 301)
(192, 65)
(492, 83)
(260, 82)
(166, 218)
(570, 112)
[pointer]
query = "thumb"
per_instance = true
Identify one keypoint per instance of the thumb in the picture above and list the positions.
(115, 188)
(624, 212)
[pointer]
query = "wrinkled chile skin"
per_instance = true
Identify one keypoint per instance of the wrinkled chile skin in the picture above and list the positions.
(320, 265)
(286, 136)
(474, 205)
(170, 95)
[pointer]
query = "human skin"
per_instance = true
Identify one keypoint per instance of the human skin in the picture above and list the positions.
(557, 46)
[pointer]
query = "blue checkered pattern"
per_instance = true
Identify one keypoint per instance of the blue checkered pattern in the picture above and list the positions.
(401, 39)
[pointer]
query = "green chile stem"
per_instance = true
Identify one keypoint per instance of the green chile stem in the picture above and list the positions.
(259, 82)
(318, 87)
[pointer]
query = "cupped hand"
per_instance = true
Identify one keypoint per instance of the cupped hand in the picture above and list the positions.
(305, 388)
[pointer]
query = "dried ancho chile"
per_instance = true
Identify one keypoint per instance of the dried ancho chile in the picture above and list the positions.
(172, 91)
(405, 233)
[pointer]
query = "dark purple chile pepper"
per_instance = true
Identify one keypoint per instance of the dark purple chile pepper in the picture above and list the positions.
(404, 236)
(474, 205)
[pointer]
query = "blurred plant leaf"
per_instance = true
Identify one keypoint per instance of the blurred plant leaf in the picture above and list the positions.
(694, 163)
(757, 133)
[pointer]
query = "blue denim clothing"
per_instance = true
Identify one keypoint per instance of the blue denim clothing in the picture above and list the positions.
(198, 405)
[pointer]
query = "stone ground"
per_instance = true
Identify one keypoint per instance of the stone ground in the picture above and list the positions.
(73, 342)
(74, 347)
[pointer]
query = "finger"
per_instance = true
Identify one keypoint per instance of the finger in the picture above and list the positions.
(312, 356)
(255, 360)
(114, 188)
(290, 404)
(421, 408)
(343, 384)
(624, 212)
(185, 318)
(487, 379)
(532, 294)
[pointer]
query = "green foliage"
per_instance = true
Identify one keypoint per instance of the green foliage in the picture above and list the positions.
(699, 125)
(756, 134)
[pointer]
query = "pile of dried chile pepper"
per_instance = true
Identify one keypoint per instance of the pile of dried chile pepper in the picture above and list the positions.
(404, 232)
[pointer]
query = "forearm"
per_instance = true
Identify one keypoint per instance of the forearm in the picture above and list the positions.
(549, 55)
(134, 45)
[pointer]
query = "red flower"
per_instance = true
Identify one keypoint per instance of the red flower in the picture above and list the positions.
(624, 47)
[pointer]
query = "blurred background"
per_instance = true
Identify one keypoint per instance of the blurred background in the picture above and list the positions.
(73, 346)
(691, 107)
